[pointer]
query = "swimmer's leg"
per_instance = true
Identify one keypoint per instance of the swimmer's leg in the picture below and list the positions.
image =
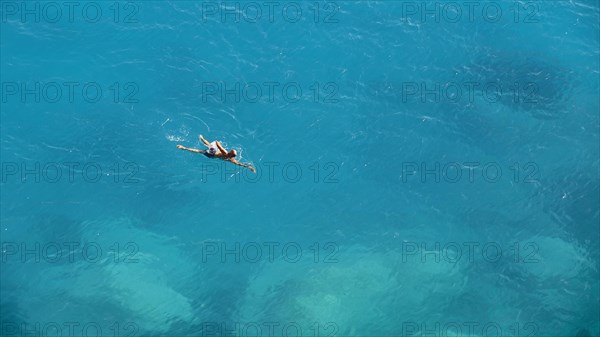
(190, 149)
(204, 141)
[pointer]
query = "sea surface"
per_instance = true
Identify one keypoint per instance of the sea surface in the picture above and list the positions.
(423, 168)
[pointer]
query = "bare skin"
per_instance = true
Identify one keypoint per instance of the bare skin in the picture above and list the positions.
(220, 154)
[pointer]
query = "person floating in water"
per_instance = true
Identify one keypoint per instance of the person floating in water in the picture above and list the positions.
(216, 150)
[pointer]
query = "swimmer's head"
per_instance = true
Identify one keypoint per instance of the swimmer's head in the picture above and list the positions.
(232, 153)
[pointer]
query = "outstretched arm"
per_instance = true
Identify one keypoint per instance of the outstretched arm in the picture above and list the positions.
(181, 147)
(243, 165)
(204, 140)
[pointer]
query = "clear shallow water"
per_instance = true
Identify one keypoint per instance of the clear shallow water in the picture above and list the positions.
(148, 246)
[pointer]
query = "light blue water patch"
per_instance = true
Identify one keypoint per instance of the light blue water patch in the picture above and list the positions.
(414, 170)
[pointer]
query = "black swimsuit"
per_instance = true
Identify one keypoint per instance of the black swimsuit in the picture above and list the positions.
(211, 153)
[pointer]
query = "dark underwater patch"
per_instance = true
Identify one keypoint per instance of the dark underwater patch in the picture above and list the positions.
(525, 83)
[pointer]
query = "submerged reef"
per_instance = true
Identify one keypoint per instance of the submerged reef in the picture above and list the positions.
(363, 293)
(521, 81)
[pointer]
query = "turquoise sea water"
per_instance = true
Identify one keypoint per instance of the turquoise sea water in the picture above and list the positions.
(424, 168)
